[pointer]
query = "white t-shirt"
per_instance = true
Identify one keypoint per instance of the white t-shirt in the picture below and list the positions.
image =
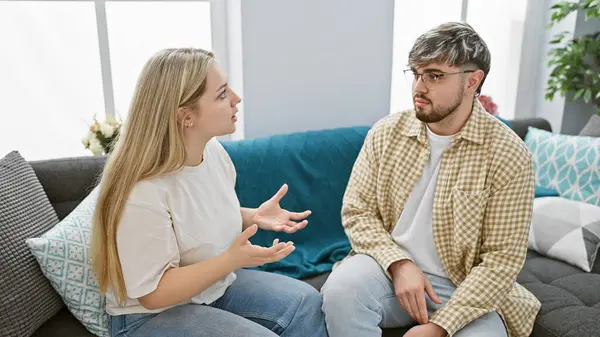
(176, 220)
(413, 230)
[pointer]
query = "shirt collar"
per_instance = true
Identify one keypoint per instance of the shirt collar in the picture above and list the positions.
(473, 130)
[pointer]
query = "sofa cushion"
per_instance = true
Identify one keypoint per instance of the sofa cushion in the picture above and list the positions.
(63, 324)
(569, 164)
(63, 256)
(570, 297)
(566, 230)
(26, 297)
(545, 192)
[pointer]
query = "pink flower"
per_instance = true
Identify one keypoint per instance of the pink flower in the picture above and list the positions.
(488, 104)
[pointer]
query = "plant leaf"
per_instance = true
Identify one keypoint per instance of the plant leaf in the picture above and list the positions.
(587, 97)
(578, 94)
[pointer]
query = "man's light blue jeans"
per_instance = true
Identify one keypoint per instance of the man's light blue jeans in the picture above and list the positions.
(256, 304)
(359, 300)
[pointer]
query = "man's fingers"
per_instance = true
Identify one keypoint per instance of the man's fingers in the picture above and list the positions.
(405, 303)
(412, 300)
(422, 306)
(430, 292)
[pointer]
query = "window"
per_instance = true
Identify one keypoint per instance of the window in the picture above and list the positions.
(157, 25)
(65, 61)
(51, 82)
(410, 21)
(503, 35)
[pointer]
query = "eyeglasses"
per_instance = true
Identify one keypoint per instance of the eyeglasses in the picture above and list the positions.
(430, 78)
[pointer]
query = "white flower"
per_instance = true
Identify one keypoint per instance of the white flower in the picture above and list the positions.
(95, 146)
(107, 130)
(111, 120)
(86, 140)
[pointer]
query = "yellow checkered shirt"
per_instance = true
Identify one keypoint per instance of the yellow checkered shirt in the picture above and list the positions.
(481, 212)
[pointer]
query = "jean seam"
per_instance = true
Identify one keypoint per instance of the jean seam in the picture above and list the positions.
(270, 318)
(123, 331)
(380, 301)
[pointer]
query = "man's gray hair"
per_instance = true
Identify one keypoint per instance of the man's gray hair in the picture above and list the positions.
(452, 43)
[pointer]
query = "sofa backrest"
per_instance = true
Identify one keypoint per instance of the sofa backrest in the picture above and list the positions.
(68, 181)
(520, 126)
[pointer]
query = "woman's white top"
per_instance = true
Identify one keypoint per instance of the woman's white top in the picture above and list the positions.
(176, 220)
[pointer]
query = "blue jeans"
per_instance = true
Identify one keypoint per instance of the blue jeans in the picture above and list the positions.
(359, 300)
(256, 304)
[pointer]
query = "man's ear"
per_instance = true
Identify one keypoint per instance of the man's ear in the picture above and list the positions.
(475, 79)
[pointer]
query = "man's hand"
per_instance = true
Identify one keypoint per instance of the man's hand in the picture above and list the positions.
(426, 330)
(410, 285)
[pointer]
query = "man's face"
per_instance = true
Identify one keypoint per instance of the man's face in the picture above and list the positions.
(438, 90)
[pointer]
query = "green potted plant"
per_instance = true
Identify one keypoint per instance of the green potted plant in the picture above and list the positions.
(575, 62)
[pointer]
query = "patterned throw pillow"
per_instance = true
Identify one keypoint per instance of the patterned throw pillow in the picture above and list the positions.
(566, 230)
(62, 254)
(567, 164)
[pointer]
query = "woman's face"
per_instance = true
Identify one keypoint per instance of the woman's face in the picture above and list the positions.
(217, 107)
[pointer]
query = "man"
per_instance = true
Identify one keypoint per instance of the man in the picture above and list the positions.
(439, 203)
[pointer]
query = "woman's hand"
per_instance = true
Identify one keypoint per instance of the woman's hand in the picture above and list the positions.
(270, 216)
(243, 254)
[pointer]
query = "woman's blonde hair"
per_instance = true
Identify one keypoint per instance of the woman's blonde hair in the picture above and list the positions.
(150, 144)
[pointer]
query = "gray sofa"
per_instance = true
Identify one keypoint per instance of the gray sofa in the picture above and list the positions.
(570, 297)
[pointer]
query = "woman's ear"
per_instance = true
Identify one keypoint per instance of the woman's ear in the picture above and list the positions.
(184, 117)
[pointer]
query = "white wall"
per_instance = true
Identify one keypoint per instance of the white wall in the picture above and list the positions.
(307, 65)
(315, 64)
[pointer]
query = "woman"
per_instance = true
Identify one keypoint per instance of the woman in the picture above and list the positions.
(166, 242)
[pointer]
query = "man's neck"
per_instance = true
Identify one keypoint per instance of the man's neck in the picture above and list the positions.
(455, 121)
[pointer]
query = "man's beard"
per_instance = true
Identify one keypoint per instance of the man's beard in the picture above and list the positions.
(437, 113)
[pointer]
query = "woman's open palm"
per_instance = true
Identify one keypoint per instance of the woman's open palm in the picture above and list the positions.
(270, 215)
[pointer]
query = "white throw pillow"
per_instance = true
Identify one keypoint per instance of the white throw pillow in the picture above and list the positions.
(63, 256)
(566, 230)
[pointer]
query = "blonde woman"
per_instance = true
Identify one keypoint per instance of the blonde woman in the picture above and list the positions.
(170, 239)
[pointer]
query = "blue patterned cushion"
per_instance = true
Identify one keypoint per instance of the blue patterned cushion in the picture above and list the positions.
(62, 254)
(545, 192)
(567, 164)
